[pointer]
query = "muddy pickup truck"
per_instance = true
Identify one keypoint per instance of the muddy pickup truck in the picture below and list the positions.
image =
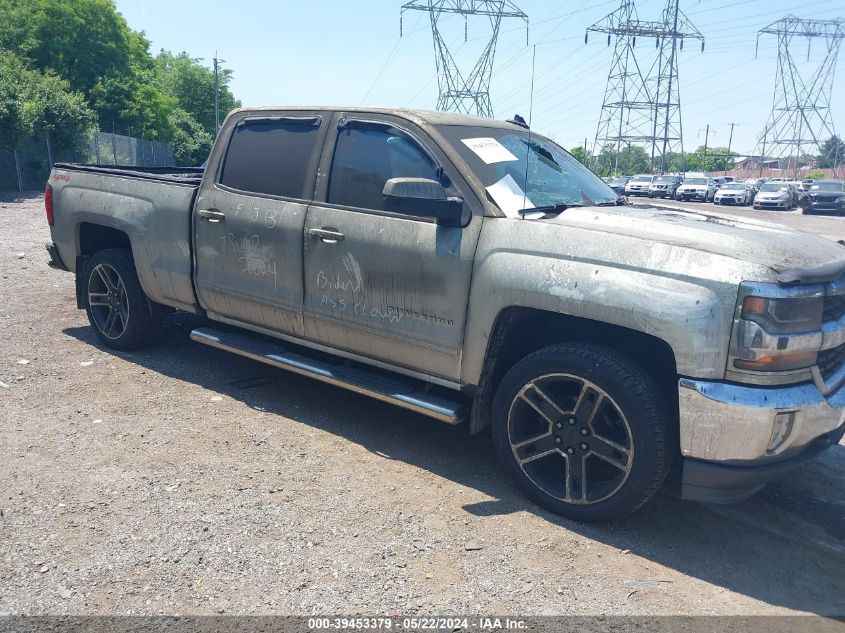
(468, 269)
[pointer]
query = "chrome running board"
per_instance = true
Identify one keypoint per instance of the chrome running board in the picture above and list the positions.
(354, 379)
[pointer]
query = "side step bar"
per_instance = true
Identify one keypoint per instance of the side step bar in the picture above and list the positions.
(352, 378)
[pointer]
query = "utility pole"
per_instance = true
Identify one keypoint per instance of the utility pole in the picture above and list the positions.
(706, 140)
(730, 140)
(460, 92)
(217, 62)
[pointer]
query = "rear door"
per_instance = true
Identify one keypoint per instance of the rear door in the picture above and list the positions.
(249, 218)
(387, 285)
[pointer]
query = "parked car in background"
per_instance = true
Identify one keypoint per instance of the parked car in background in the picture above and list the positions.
(734, 193)
(638, 185)
(664, 186)
(776, 195)
(824, 195)
(806, 184)
(696, 189)
(618, 184)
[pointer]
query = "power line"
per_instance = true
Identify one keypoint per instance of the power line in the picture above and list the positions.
(642, 105)
(470, 93)
(801, 118)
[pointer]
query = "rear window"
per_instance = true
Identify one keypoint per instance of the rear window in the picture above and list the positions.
(271, 156)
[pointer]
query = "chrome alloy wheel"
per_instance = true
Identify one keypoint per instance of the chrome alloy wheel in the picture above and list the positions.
(108, 302)
(570, 438)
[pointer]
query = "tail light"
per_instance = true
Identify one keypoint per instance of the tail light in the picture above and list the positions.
(48, 203)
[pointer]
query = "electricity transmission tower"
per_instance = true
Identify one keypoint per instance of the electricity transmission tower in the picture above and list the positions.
(468, 93)
(642, 103)
(801, 120)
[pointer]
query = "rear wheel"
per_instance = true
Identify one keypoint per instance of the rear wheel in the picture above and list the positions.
(582, 430)
(116, 305)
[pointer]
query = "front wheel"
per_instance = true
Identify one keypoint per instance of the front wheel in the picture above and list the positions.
(583, 431)
(116, 305)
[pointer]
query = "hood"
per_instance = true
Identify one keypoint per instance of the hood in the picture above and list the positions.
(773, 246)
(693, 187)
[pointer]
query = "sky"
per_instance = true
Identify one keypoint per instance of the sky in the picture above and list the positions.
(334, 52)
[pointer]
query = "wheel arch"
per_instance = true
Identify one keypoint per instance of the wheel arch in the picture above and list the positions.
(520, 331)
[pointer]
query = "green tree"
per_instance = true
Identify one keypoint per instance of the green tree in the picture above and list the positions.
(82, 41)
(88, 48)
(713, 159)
(192, 85)
(581, 154)
(191, 142)
(833, 153)
(34, 102)
(632, 160)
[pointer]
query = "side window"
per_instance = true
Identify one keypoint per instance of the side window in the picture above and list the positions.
(271, 156)
(366, 158)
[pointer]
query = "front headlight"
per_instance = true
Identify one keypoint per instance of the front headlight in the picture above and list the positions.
(777, 329)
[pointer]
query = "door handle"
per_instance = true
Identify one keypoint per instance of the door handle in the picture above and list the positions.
(212, 215)
(327, 235)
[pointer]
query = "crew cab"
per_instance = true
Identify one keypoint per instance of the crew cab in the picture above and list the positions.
(472, 270)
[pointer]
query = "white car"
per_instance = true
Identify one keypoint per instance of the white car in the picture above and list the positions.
(734, 193)
(639, 185)
(696, 189)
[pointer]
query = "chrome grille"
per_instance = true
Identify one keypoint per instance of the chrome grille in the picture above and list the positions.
(830, 360)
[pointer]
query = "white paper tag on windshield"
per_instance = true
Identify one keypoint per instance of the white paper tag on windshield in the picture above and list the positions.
(509, 196)
(489, 150)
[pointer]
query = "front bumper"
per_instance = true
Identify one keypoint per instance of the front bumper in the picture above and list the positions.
(691, 195)
(734, 438)
(772, 204)
(826, 206)
(729, 201)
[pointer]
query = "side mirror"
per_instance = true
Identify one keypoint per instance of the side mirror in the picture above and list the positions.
(423, 197)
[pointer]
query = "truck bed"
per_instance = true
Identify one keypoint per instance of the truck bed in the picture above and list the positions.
(181, 175)
(150, 206)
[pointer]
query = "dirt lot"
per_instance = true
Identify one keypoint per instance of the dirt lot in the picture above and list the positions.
(185, 480)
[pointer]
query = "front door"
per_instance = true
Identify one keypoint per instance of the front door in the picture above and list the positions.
(387, 285)
(249, 220)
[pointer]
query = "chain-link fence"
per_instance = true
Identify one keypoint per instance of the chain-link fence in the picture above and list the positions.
(29, 166)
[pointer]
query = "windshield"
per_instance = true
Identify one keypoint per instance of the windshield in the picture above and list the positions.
(520, 173)
(641, 179)
(695, 181)
(734, 185)
(618, 181)
(773, 186)
(665, 179)
(828, 186)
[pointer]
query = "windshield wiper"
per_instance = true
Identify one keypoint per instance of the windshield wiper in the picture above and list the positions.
(549, 208)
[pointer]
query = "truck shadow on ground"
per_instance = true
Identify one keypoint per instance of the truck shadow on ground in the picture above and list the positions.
(784, 547)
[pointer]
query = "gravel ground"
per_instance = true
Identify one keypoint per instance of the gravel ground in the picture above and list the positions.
(183, 480)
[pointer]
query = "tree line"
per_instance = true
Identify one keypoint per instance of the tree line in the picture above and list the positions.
(634, 159)
(67, 66)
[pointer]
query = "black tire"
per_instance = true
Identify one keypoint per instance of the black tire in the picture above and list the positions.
(134, 324)
(622, 391)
